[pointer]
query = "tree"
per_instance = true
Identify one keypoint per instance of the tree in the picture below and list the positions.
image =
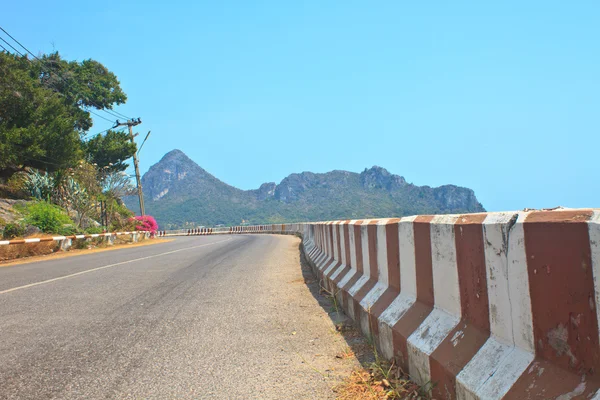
(116, 185)
(85, 84)
(43, 116)
(36, 127)
(110, 150)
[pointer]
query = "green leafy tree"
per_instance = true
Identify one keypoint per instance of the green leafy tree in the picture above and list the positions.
(110, 151)
(36, 126)
(43, 109)
(86, 84)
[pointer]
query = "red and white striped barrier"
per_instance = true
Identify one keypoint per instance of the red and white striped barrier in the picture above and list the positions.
(71, 237)
(199, 231)
(481, 306)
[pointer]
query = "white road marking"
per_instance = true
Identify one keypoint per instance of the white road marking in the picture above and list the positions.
(107, 266)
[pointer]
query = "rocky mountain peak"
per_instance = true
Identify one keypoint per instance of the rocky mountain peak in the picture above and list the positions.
(266, 190)
(176, 171)
(180, 193)
(380, 178)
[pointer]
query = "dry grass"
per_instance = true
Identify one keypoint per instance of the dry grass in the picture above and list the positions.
(347, 352)
(16, 251)
(381, 380)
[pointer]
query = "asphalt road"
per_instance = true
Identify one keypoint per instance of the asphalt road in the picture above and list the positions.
(224, 317)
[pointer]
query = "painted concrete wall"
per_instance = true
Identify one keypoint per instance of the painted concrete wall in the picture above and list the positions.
(484, 306)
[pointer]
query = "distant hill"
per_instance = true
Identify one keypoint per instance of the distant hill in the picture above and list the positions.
(179, 193)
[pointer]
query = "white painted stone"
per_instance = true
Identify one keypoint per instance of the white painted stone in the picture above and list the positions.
(66, 244)
(447, 311)
(382, 277)
(342, 240)
(336, 239)
(358, 285)
(408, 275)
(408, 287)
(382, 257)
(425, 340)
(492, 371)
(388, 319)
(347, 277)
(396, 310)
(518, 285)
(342, 256)
(508, 372)
(508, 352)
(374, 294)
(317, 258)
(352, 240)
(364, 237)
(330, 267)
(323, 262)
(487, 360)
(594, 232)
(445, 271)
(337, 272)
(596, 396)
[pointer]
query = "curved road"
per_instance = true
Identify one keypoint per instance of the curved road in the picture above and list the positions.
(224, 317)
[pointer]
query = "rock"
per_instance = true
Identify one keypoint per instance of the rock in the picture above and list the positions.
(7, 212)
(266, 190)
(380, 178)
(31, 230)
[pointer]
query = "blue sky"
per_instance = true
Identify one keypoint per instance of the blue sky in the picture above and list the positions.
(501, 97)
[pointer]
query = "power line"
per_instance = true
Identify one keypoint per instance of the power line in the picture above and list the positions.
(4, 48)
(106, 130)
(120, 115)
(98, 115)
(18, 52)
(109, 113)
(27, 50)
(101, 132)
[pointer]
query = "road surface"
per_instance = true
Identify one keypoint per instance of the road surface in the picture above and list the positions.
(223, 317)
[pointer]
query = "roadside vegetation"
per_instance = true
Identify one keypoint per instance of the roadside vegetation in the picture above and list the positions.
(66, 181)
(377, 378)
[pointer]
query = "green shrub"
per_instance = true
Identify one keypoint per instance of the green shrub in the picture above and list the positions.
(47, 217)
(93, 229)
(67, 230)
(13, 230)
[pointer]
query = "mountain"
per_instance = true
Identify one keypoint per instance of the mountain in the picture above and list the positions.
(179, 193)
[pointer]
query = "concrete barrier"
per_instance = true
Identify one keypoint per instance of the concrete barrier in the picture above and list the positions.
(475, 306)
(66, 241)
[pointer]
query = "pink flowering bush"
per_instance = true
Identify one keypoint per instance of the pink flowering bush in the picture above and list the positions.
(145, 223)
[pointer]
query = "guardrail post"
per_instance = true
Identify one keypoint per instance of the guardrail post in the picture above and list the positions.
(66, 244)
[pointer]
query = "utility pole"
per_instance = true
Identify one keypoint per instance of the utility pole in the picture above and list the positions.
(130, 124)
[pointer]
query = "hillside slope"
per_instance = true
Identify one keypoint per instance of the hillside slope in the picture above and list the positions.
(179, 193)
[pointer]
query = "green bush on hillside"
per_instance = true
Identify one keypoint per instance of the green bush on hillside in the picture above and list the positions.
(91, 230)
(48, 218)
(13, 230)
